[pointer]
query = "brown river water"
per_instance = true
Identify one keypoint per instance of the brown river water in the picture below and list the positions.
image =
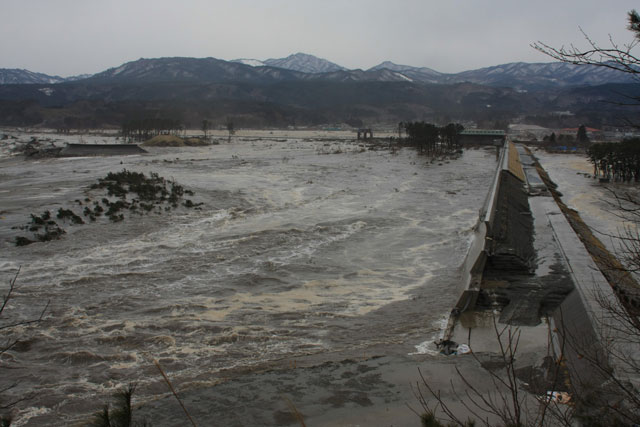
(301, 247)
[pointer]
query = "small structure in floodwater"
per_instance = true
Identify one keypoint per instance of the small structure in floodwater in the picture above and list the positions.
(81, 150)
(365, 133)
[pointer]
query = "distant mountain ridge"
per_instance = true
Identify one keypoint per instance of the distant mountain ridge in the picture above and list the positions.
(519, 75)
(192, 70)
(305, 64)
(19, 76)
(304, 67)
(541, 75)
(300, 62)
(191, 90)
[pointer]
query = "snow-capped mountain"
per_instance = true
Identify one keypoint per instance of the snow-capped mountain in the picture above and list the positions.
(248, 61)
(304, 67)
(305, 63)
(274, 96)
(300, 62)
(16, 76)
(539, 75)
(519, 75)
(415, 74)
(193, 70)
(78, 77)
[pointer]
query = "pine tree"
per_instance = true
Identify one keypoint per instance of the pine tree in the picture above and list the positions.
(581, 136)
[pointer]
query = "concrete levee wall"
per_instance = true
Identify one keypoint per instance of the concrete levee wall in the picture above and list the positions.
(600, 346)
(476, 257)
(509, 246)
(589, 327)
(498, 233)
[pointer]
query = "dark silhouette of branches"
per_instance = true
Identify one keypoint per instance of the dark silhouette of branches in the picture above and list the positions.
(5, 300)
(506, 404)
(175, 394)
(122, 413)
(10, 342)
(604, 389)
(615, 56)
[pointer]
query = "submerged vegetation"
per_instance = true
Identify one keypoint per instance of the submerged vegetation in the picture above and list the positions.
(431, 139)
(174, 141)
(43, 228)
(616, 161)
(143, 129)
(133, 191)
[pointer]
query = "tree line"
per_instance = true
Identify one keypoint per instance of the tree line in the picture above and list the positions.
(432, 139)
(619, 161)
(581, 138)
(143, 129)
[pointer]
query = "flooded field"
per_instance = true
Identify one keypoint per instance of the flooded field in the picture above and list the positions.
(595, 201)
(301, 247)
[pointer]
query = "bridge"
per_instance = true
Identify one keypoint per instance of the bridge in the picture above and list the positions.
(482, 137)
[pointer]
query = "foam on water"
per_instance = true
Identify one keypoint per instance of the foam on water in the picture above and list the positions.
(285, 259)
(428, 346)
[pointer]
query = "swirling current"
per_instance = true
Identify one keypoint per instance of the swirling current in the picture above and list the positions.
(300, 247)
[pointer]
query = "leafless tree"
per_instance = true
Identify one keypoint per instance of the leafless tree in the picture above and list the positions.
(508, 404)
(205, 128)
(230, 128)
(615, 56)
(9, 341)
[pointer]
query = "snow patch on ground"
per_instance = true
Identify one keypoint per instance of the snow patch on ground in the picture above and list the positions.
(251, 62)
(402, 76)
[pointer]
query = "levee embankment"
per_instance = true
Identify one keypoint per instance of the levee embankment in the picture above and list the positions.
(503, 235)
(595, 323)
(538, 265)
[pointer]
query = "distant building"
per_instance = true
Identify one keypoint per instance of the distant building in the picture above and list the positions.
(618, 133)
(592, 133)
(562, 113)
(524, 132)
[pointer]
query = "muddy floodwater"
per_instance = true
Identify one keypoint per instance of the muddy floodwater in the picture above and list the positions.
(300, 247)
(595, 201)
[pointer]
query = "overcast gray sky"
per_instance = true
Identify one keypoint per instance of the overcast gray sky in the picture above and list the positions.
(68, 37)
